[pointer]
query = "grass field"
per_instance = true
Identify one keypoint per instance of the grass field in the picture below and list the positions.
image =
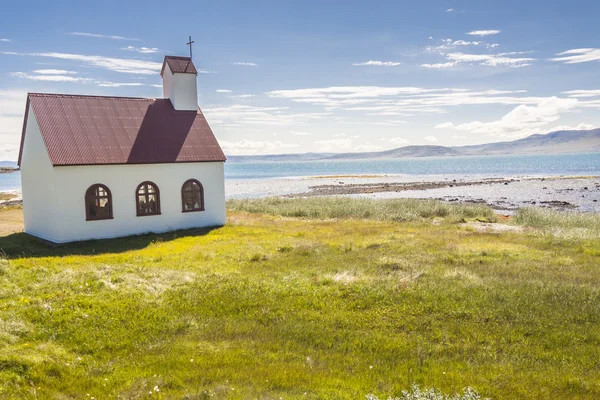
(305, 300)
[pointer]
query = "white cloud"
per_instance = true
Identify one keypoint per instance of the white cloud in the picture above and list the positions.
(12, 108)
(124, 65)
(450, 10)
(246, 64)
(439, 65)
(50, 78)
(583, 93)
(484, 33)
(491, 60)
(577, 56)
(238, 114)
(378, 63)
(96, 35)
(431, 139)
(223, 90)
(244, 96)
(444, 125)
(116, 84)
(11, 125)
(251, 147)
(367, 147)
(334, 144)
(54, 72)
(445, 46)
(143, 50)
(398, 101)
(522, 120)
(399, 140)
(459, 137)
(580, 127)
(4, 40)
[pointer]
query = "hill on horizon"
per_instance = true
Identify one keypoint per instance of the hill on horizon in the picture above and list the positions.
(558, 142)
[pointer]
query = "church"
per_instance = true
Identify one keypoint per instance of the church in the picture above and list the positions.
(96, 167)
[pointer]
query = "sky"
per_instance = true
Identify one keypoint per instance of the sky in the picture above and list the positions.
(320, 76)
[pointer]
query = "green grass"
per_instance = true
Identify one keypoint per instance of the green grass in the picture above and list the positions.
(566, 224)
(344, 207)
(271, 306)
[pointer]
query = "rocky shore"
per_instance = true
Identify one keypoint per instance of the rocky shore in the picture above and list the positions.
(503, 194)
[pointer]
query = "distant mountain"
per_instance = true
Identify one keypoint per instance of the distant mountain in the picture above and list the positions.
(11, 164)
(551, 143)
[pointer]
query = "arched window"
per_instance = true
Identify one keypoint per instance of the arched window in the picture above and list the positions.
(98, 203)
(147, 198)
(192, 196)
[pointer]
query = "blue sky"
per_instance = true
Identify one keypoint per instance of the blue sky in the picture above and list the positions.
(291, 76)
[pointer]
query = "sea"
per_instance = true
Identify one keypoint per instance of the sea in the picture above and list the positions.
(490, 166)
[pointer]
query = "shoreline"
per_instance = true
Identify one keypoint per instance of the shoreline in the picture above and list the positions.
(503, 194)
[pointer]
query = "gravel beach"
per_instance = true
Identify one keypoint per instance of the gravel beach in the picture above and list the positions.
(503, 194)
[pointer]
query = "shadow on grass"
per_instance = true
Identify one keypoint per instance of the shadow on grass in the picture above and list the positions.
(22, 245)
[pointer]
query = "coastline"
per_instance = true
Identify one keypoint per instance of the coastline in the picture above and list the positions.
(503, 194)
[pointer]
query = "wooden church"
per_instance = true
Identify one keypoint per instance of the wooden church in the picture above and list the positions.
(95, 167)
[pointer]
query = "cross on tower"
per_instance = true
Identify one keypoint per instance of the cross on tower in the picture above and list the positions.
(190, 44)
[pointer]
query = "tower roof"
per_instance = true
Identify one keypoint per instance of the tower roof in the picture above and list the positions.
(179, 65)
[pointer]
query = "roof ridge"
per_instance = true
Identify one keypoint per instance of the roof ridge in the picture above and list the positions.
(93, 96)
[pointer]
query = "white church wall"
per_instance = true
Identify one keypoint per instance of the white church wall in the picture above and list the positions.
(122, 180)
(38, 183)
(181, 89)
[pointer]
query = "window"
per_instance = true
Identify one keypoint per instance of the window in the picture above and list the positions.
(147, 199)
(192, 196)
(98, 203)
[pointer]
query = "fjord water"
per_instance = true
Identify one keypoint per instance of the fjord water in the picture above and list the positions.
(492, 166)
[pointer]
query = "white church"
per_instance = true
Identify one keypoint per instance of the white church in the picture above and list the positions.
(96, 167)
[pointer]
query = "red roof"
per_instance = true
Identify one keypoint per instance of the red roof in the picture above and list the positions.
(93, 130)
(179, 65)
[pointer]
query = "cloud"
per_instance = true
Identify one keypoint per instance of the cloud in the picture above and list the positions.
(244, 96)
(583, 93)
(143, 50)
(12, 108)
(444, 125)
(4, 40)
(238, 114)
(378, 63)
(96, 35)
(581, 127)
(523, 120)
(50, 78)
(251, 147)
(483, 33)
(124, 65)
(246, 64)
(54, 72)
(440, 65)
(399, 140)
(398, 101)
(459, 137)
(9, 151)
(577, 56)
(223, 90)
(116, 84)
(334, 144)
(445, 46)
(366, 147)
(450, 10)
(431, 139)
(491, 60)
